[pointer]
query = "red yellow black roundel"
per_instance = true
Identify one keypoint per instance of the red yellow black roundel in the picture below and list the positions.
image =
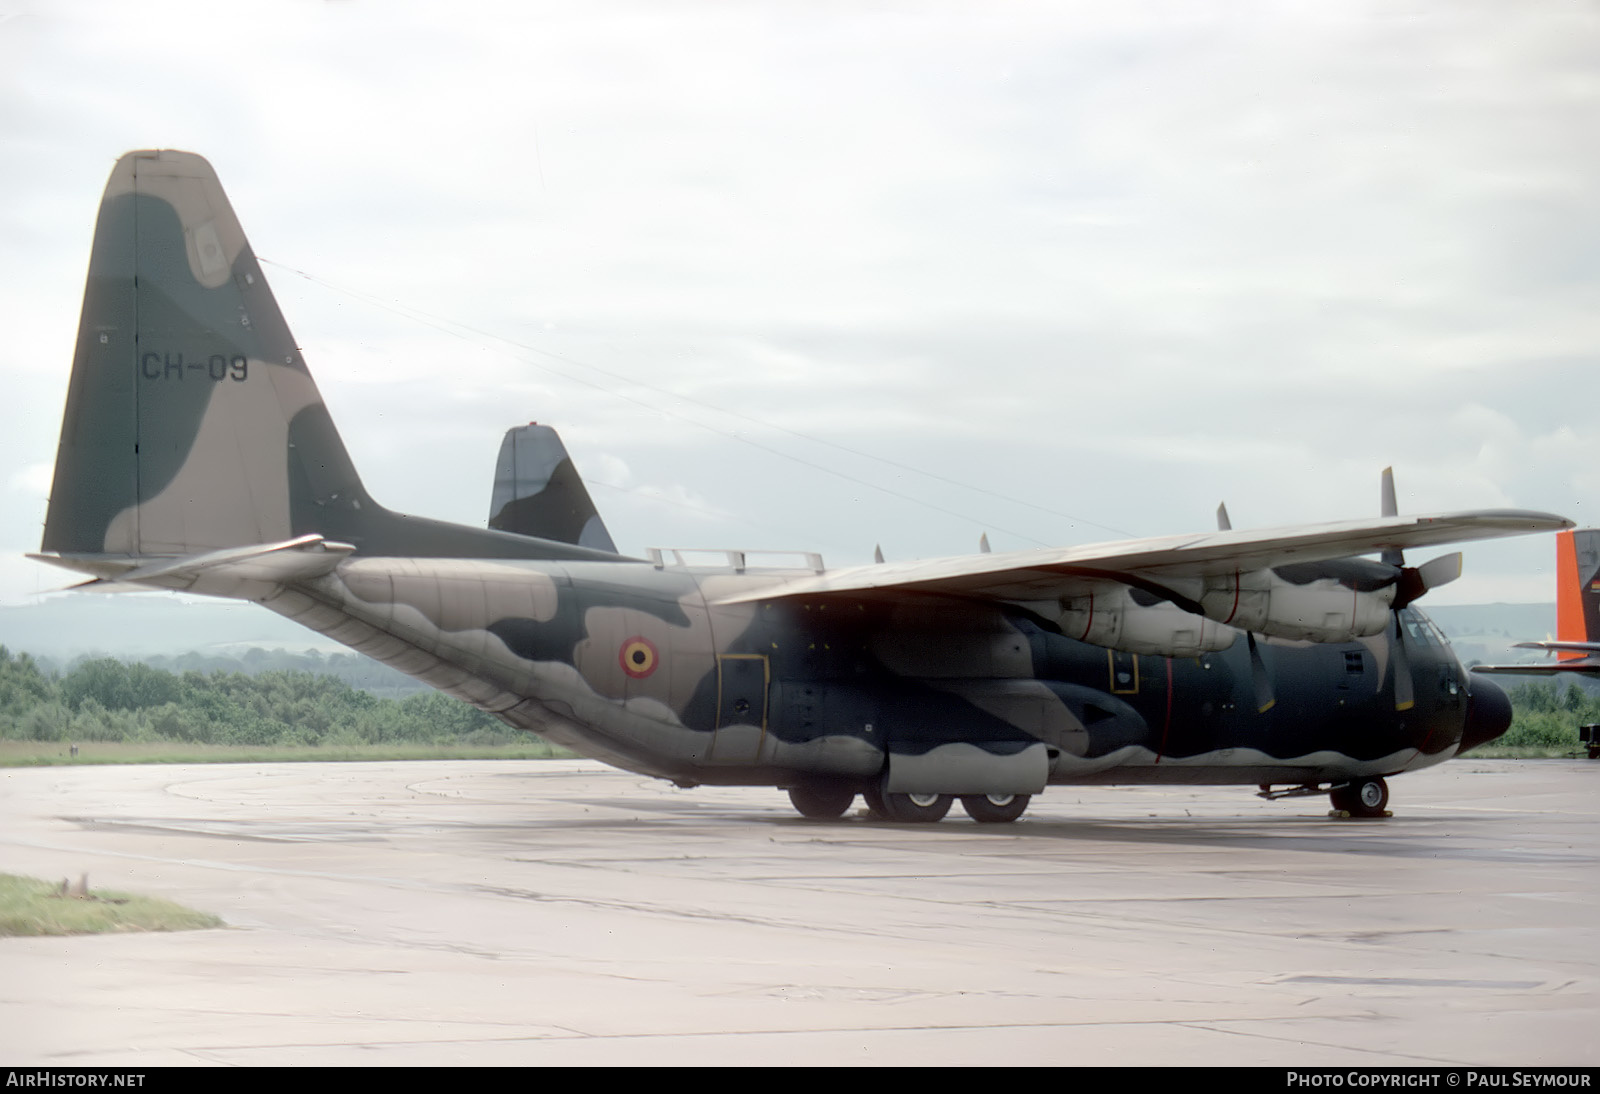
(639, 657)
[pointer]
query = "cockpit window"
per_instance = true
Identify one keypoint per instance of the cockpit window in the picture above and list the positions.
(1422, 629)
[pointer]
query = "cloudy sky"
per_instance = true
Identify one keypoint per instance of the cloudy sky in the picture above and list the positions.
(829, 275)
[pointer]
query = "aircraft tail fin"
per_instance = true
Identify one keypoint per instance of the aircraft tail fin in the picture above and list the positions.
(1577, 588)
(538, 492)
(187, 389)
(192, 422)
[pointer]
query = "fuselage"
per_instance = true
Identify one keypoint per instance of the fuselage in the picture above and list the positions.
(644, 667)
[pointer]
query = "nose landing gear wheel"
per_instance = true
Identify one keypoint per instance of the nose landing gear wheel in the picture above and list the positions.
(821, 801)
(1365, 797)
(995, 808)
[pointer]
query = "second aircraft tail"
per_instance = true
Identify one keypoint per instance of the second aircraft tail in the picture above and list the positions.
(1577, 589)
(537, 491)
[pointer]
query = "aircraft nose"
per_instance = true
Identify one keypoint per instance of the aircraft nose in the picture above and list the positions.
(1488, 714)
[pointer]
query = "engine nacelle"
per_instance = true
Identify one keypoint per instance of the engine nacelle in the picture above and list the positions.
(1115, 619)
(1316, 609)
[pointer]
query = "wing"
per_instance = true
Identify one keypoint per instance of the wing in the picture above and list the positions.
(1153, 564)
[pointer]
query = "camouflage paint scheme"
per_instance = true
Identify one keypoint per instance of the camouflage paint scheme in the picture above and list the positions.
(197, 454)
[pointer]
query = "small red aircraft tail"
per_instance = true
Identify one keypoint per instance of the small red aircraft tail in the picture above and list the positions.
(1577, 641)
(1577, 590)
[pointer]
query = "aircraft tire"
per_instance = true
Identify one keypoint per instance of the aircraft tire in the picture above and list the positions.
(821, 801)
(917, 808)
(906, 808)
(1364, 797)
(995, 808)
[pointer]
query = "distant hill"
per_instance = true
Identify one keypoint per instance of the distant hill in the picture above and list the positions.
(1487, 632)
(70, 625)
(178, 634)
(1520, 622)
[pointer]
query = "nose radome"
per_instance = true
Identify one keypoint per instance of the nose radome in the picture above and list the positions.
(1488, 714)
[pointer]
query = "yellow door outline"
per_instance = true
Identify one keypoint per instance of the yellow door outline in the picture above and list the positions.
(1111, 673)
(717, 737)
(766, 682)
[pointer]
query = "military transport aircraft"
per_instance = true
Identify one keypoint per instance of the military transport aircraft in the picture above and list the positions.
(196, 454)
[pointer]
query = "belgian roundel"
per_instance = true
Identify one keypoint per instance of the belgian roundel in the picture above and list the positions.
(639, 657)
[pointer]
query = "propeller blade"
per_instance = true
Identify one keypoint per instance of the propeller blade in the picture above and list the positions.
(1259, 676)
(1389, 507)
(1400, 666)
(1440, 571)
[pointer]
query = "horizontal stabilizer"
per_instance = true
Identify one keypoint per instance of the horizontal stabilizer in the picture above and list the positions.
(102, 586)
(298, 559)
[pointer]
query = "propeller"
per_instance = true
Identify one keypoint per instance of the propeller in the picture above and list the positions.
(1412, 583)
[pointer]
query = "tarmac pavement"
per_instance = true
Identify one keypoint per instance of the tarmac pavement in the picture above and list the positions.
(534, 913)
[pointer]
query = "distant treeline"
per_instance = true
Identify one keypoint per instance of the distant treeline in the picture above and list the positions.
(108, 700)
(1546, 714)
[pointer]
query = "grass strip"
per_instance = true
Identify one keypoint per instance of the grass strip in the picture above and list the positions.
(29, 906)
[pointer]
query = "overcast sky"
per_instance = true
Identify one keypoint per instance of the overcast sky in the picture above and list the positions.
(828, 275)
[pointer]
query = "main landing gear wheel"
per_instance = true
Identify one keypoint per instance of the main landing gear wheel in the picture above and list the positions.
(995, 808)
(821, 801)
(907, 808)
(1366, 797)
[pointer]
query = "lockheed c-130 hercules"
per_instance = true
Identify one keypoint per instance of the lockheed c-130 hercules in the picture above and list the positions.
(196, 454)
